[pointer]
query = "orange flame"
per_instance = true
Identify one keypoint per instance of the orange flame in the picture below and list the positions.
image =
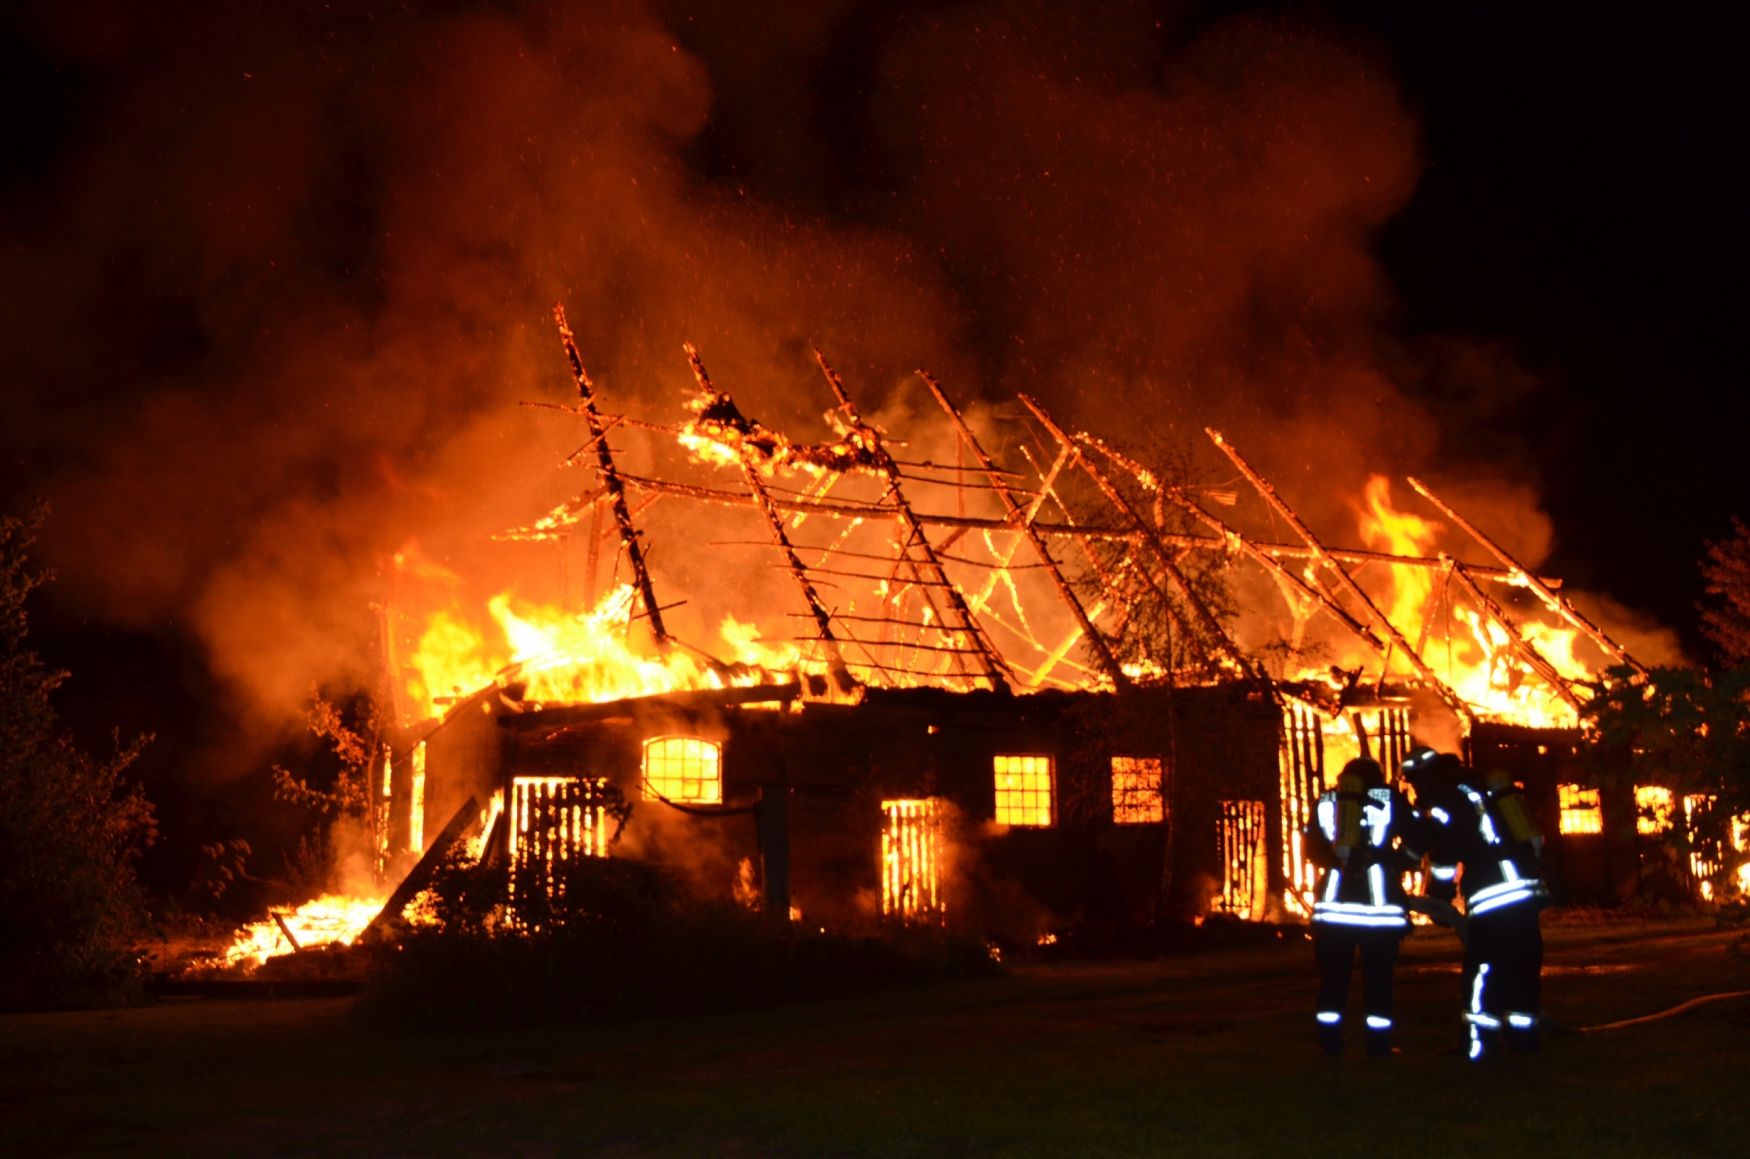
(567, 657)
(330, 920)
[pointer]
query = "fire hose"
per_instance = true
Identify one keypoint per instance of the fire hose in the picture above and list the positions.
(1677, 1009)
(1447, 915)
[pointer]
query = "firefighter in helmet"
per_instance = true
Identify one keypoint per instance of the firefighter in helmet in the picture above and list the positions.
(1483, 846)
(1357, 836)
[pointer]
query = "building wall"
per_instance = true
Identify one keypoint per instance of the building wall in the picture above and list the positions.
(825, 770)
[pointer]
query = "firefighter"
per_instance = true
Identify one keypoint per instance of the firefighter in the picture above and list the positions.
(1483, 846)
(1356, 836)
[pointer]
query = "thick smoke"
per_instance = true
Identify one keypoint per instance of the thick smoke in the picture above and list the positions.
(282, 272)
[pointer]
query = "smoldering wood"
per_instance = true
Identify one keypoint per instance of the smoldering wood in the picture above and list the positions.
(816, 608)
(863, 575)
(910, 645)
(607, 426)
(563, 716)
(1091, 531)
(280, 921)
(852, 618)
(1317, 597)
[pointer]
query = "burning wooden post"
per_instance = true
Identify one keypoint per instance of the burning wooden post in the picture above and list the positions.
(422, 872)
(1211, 629)
(916, 539)
(1344, 579)
(1023, 522)
(1518, 574)
(841, 675)
(611, 480)
(1527, 651)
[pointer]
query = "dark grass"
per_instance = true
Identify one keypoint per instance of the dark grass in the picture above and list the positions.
(1205, 1054)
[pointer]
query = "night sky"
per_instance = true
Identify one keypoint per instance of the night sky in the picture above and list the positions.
(277, 274)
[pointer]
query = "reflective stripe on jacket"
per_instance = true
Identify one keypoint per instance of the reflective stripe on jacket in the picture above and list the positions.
(1365, 887)
(1497, 873)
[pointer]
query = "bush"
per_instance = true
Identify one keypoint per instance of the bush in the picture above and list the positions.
(624, 941)
(71, 911)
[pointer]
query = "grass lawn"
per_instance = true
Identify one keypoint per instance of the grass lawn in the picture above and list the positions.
(1202, 1054)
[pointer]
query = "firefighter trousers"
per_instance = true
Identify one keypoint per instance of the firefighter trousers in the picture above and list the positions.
(1503, 980)
(1335, 947)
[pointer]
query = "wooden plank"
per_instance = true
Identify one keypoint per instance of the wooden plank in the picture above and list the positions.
(421, 874)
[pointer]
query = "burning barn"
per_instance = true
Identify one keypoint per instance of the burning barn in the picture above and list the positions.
(1010, 679)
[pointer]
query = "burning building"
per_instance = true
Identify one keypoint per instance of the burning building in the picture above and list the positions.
(1056, 690)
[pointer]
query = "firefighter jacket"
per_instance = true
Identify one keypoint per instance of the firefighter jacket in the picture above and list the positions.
(1465, 829)
(1363, 883)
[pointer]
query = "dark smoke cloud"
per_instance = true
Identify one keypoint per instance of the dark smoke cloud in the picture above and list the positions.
(1194, 223)
(280, 272)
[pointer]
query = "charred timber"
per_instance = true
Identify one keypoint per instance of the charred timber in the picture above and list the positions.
(1211, 629)
(1518, 574)
(750, 475)
(562, 716)
(611, 478)
(995, 670)
(1527, 650)
(1344, 580)
(422, 872)
(1091, 531)
(1024, 522)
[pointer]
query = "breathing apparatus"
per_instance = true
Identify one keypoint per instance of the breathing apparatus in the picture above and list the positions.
(1510, 806)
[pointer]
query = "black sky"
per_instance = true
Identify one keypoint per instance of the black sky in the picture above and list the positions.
(1564, 295)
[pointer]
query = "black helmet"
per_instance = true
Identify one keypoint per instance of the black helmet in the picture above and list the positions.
(1367, 770)
(1421, 758)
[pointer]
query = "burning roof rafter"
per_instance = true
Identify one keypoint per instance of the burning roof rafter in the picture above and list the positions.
(942, 598)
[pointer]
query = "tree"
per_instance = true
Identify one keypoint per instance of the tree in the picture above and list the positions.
(70, 824)
(1686, 729)
(1726, 569)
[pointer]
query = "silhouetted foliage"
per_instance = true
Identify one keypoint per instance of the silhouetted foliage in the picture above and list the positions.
(1726, 619)
(70, 825)
(623, 939)
(1684, 728)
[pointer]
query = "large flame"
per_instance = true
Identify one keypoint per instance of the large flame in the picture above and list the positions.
(569, 657)
(1476, 656)
(1385, 528)
(330, 920)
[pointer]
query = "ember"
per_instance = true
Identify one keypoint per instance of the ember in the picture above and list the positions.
(330, 920)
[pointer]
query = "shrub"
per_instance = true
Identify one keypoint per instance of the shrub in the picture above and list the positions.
(70, 826)
(625, 941)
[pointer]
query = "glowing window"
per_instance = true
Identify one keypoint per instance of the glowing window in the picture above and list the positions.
(1242, 858)
(1581, 812)
(1136, 790)
(1024, 791)
(911, 860)
(1653, 809)
(1704, 850)
(683, 768)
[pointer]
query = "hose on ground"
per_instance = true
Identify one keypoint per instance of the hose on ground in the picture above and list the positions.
(1677, 1009)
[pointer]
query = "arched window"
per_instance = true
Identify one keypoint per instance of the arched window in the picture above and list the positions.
(683, 768)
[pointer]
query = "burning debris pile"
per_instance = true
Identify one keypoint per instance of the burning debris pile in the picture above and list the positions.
(950, 614)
